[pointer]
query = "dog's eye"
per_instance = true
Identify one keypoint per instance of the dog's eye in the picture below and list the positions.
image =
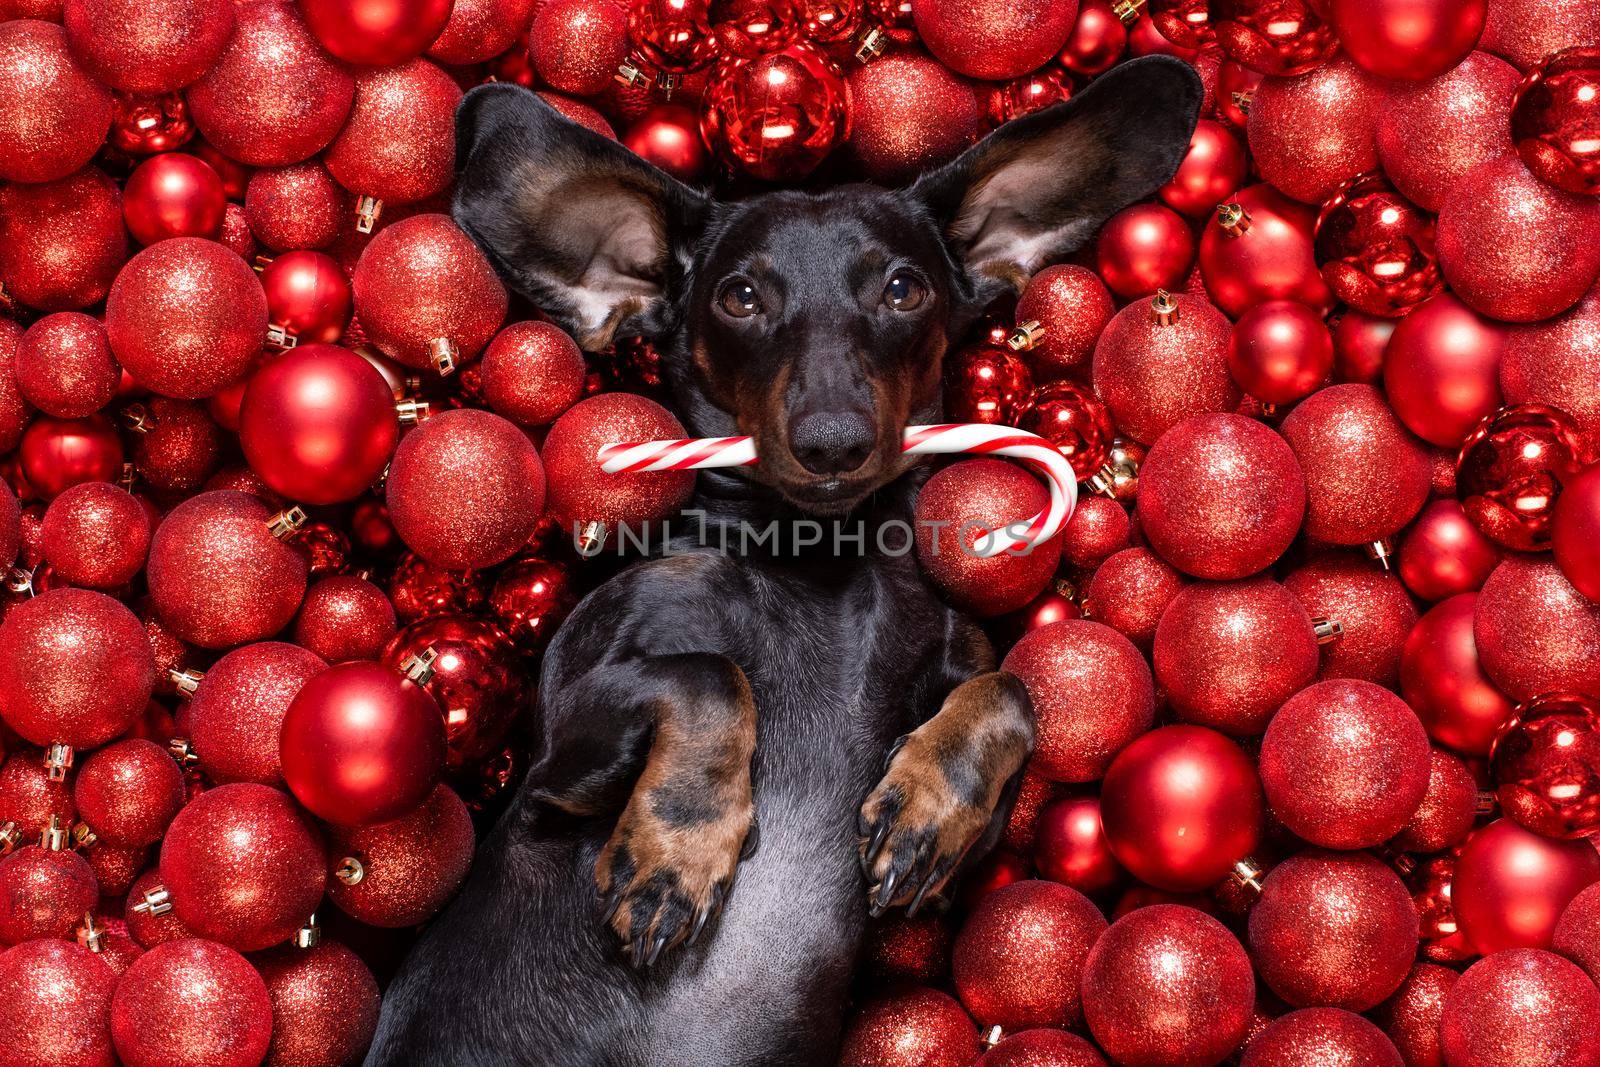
(740, 299)
(904, 292)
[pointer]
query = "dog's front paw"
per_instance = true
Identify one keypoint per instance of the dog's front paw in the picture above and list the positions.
(666, 871)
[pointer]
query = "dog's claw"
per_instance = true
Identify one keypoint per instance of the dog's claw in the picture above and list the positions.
(885, 892)
(655, 950)
(894, 750)
(880, 834)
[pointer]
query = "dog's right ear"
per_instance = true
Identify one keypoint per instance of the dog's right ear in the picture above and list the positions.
(591, 233)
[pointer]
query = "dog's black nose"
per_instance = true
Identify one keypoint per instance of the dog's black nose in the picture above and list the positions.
(832, 442)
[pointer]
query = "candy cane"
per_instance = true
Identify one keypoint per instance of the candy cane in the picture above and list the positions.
(968, 438)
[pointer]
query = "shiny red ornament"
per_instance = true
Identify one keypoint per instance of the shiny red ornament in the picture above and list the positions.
(345, 617)
(1444, 553)
(63, 365)
(1372, 608)
(1276, 38)
(532, 372)
(58, 997)
(1144, 248)
(404, 870)
(362, 744)
(1025, 95)
(672, 36)
(191, 1002)
(1168, 984)
(398, 145)
(986, 383)
(148, 48)
(1092, 694)
(1161, 361)
(1213, 168)
(1071, 847)
(1442, 369)
(1258, 247)
(1443, 681)
(61, 243)
(1430, 134)
(53, 115)
(295, 207)
(530, 599)
(477, 680)
(956, 512)
(1019, 957)
(825, 22)
(1072, 418)
(1513, 470)
(274, 97)
(237, 711)
(1375, 248)
(1521, 1006)
(1320, 1037)
(577, 45)
(1345, 764)
(1366, 476)
(1073, 306)
(418, 590)
(746, 28)
(1180, 806)
(1546, 766)
(1229, 653)
(1186, 23)
(776, 116)
(47, 891)
(1280, 351)
(991, 39)
(909, 113)
(173, 195)
(308, 297)
(668, 136)
(1511, 885)
(1513, 247)
(128, 792)
(57, 454)
(378, 33)
(910, 1027)
(1407, 40)
(1311, 134)
(1097, 40)
(1555, 120)
(426, 295)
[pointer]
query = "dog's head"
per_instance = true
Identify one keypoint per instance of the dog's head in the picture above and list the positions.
(815, 322)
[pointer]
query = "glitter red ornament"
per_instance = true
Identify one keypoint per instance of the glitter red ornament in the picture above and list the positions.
(910, 1026)
(1375, 248)
(907, 114)
(1511, 885)
(1575, 936)
(345, 617)
(1168, 984)
(1129, 591)
(63, 365)
(324, 1004)
(95, 534)
(1442, 369)
(191, 1001)
(956, 512)
(147, 48)
(58, 996)
(30, 798)
(577, 45)
(405, 870)
(776, 116)
(128, 792)
(1040, 1047)
(1161, 361)
(1073, 306)
(1257, 247)
(1411, 1017)
(62, 243)
(1523, 1005)
(1311, 134)
(1410, 40)
(532, 372)
(1512, 472)
(1273, 38)
(1546, 766)
(53, 115)
(308, 298)
(1321, 1036)
(1554, 362)
(237, 710)
(1144, 248)
(177, 446)
(1019, 957)
(986, 383)
(377, 33)
(47, 892)
(1537, 634)
(398, 145)
(1099, 526)
(1448, 809)
(990, 39)
(1555, 120)
(173, 195)
(300, 206)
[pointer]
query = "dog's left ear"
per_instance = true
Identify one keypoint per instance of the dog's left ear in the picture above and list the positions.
(1039, 187)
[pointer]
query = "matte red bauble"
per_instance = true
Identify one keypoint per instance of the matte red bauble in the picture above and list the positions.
(1366, 476)
(1443, 681)
(986, 383)
(580, 493)
(1513, 469)
(1359, 340)
(295, 207)
(191, 1002)
(1229, 653)
(1546, 766)
(1522, 1006)
(243, 866)
(398, 145)
(148, 48)
(1375, 248)
(1275, 38)
(345, 617)
(47, 891)
(1168, 984)
(173, 195)
(1092, 694)
(908, 113)
(377, 33)
(1555, 120)
(1144, 248)
(274, 97)
(532, 372)
(958, 510)
(576, 45)
(62, 243)
(1513, 247)
(53, 115)
(1442, 370)
(218, 575)
(477, 680)
(1180, 806)
(993, 39)
(1345, 764)
(1409, 40)
(308, 297)
(318, 424)
(1071, 848)
(1574, 533)
(57, 454)
(1322, 1037)
(1258, 247)
(1555, 363)
(324, 1004)
(668, 136)
(1160, 361)
(186, 317)
(237, 711)
(1511, 885)
(1444, 553)
(1311, 134)
(1072, 418)
(58, 997)
(1373, 611)
(1072, 304)
(75, 666)
(362, 744)
(405, 870)
(1019, 958)
(426, 295)
(128, 792)
(912, 1025)
(1214, 167)
(63, 365)
(1096, 42)
(776, 116)
(1280, 351)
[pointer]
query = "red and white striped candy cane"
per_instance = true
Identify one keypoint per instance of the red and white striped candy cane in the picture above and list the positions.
(968, 438)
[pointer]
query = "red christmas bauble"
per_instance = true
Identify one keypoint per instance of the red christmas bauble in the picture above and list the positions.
(1213, 169)
(1278, 38)
(1144, 248)
(1073, 306)
(1443, 681)
(1311, 134)
(178, 447)
(1320, 1036)
(1180, 806)
(237, 711)
(243, 866)
(1366, 476)
(144, 125)
(532, 372)
(295, 207)
(1280, 352)
(324, 1004)
(910, 1027)
(362, 744)
(1512, 472)
(1153, 374)
(1092, 694)
(1099, 526)
(1546, 765)
(958, 510)
(1168, 984)
(426, 295)
(576, 45)
(173, 195)
(1556, 119)
(345, 617)
(1027, 94)
(30, 798)
(308, 296)
(145, 927)
(1408, 40)
(986, 383)
(477, 681)
(15, 411)
(191, 1002)
(1573, 533)
(58, 998)
(418, 590)
(1130, 591)
(909, 113)
(672, 36)
(1522, 1006)
(218, 576)
(1186, 23)
(1444, 553)
(274, 97)
(1345, 764)
(318, 424)
(148, 48)
(57, 454)
(377, 33)
(1018, 960)
(53, 115)
(1442, 370)
(1430, 134)
(1553, 363)
(1525, 31)
(1258, 247)
(186, 317)
(1071, 848)
(668, 136)
(75, 666)
(1411, 1017)
(1375, 248)
(580, 493)
(128, 792)
(746, 28)
(1513, 247)
(530, 599)
(1370, 605)
(776, 116)
(1229, 653)
(1511, 885)
(1448, 809)
(47, 891)
(10, 527)
(1041, 1047)
(408, 868)
(62, 243)
(63, 365)
(992, 39)
(1072, 418)
(399, 142)
(1359, 341)
(1576, 932)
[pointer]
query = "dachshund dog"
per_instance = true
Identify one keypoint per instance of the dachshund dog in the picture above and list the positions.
(813, 692)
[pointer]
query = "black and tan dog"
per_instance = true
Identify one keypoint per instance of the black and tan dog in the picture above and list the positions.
(622, 912)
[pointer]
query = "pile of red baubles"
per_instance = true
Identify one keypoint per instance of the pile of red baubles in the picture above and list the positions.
(293, 488)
